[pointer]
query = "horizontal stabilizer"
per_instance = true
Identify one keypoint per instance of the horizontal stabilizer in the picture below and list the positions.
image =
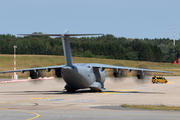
(58, 34)
(40, 34)
(81, 34)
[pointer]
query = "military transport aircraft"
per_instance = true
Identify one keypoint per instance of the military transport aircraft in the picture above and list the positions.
(81, 75)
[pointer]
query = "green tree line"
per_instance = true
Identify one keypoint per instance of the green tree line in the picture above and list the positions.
(105, 46)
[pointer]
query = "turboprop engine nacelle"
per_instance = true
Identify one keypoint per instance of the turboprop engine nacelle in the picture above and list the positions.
(140, 75)
(34, 74)
(116, 73)
(58, 72)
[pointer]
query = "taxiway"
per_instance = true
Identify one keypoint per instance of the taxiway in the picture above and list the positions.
(48, 101)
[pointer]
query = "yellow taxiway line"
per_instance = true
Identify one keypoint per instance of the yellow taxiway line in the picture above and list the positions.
(37, 115)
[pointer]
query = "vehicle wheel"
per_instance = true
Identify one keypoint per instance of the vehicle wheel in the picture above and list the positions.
(153, 82)
(157, 82)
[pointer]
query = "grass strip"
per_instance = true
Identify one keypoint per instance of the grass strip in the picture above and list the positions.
(28, 61)
(152, 107)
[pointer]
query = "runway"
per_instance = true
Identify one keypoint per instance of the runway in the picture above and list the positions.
(48, 101)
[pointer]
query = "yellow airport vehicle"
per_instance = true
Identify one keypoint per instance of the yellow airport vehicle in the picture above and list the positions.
(158, 79)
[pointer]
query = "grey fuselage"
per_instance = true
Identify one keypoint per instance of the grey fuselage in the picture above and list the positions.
(79, 76)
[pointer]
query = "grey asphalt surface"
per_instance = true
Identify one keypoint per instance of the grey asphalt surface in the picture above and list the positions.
(48, 101)
(86, 115)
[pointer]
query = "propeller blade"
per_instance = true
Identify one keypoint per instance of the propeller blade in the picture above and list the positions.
(58, 79)
(41, 73)
(141, 77)
(122, 76)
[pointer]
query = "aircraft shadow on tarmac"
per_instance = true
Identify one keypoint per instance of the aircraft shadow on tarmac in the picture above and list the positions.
(77, 92)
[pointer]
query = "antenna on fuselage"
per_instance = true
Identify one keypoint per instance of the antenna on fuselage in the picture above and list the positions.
(66, 45)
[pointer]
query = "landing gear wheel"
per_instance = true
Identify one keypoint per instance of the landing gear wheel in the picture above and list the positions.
(97, 90)
(71, 90)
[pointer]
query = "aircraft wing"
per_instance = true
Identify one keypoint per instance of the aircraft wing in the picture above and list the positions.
(30, 69)
(126, 68)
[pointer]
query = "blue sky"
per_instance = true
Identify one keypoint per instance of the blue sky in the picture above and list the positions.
(122, 18)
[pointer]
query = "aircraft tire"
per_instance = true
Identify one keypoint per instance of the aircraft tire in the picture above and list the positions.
(71, 90)
(96, 90)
